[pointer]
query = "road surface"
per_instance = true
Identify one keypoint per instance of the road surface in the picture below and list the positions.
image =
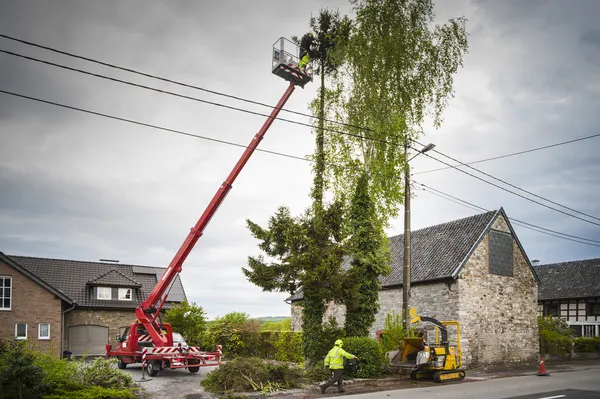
(584, 384)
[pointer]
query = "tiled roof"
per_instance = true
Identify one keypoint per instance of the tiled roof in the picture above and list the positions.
(574, 279)
(71, 277)
(437, 252)
(114, 278)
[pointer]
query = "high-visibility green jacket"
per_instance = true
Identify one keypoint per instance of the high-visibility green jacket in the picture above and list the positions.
(335, 358)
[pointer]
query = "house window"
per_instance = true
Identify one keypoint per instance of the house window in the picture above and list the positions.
(589, 330)
(551, 309)
(44, 331)
(124, 294)
(21, 331)
(593, 309)
(104, 293)
(5, 292)
(500, 253)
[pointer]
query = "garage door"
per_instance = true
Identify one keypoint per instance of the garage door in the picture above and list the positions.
(90, 339)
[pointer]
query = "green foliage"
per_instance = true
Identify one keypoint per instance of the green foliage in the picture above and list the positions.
(20, 377)
(316, 372)
(308, 252)
(398, 69)
(101, 372)
(252, 374)
(369, 353)
(368, 247)
(282, 325)
(555, 336)
(189, 320)
(236, 332)
(587, 344)
(50, 377)
(91, 392)
(393, 332)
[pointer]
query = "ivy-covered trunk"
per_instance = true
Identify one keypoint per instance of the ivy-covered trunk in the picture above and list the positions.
(371, 258)
(312, 318)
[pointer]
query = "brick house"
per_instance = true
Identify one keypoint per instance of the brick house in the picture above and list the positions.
(473, 270)
(59, 305)
(571, 290)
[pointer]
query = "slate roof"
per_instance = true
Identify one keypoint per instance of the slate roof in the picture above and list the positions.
(574, 279)
(72, 278)
(437, 252)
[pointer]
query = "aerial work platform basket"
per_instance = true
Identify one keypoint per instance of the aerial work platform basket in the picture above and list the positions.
(285, 63)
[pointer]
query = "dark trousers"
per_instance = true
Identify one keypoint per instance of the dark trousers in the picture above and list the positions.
(337, 377)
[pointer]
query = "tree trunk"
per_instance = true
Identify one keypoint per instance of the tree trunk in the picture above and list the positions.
(320, 151)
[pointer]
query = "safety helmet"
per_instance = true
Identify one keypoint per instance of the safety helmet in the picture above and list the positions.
(339, 342)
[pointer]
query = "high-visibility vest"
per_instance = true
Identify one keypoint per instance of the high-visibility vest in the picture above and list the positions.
(335, 358)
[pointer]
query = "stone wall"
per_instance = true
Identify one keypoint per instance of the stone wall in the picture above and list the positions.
(115, 320)
(498, 314)
(439, 300)
(31, 304)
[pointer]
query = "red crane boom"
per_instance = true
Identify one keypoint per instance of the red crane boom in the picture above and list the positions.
(147, 312)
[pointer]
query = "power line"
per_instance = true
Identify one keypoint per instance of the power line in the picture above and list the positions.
(514, 193)
(180, 132)
(526, 225)
(511, 185)
(512, 154)
(191, 86)
(175, 94)
(309, 125)
(176, 82)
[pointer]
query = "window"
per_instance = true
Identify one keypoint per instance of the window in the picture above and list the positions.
(551, 309)
(124, 294)
(5, 292)
(44, 331)
(593, 309)
(21, 331)
(500, 253)
(589, 330)
(104, 293)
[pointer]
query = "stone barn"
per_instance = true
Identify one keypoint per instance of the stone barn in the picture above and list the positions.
(473, 270)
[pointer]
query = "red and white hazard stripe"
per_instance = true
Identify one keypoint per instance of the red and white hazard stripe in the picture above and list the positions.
(144, 353)
(144, 338)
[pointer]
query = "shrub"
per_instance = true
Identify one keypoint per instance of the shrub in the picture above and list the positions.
(289, 347)
(252, 374)
(20, 377)
(91, 392)
(555, 336)
(369, 353)
(393, 332)
(587, 344)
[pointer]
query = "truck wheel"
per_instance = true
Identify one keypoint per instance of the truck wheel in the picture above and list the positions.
(122, 365)
(194, 369)
(153, 368)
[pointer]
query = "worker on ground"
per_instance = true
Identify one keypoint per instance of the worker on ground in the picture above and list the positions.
(305, 51)
(335, 361)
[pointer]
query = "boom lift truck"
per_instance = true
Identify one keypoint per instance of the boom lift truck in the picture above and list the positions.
(147, 331)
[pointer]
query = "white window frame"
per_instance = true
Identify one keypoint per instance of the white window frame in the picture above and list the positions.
(102, 297)
(40, 331)
(16, 330)
(2, 297)
(123, 291)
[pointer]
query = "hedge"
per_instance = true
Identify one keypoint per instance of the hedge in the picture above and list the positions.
(369, 354)
(587, 344)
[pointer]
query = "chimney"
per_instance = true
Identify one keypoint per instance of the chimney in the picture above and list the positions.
(535, 262)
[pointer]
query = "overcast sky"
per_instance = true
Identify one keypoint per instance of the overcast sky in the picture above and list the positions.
(83, 187)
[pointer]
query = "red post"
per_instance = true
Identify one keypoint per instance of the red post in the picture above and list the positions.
(145, 312)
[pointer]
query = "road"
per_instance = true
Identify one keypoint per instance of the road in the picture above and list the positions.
(584, 384)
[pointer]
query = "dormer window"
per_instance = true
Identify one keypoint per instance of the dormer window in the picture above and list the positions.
(104, 293)
(125, 294)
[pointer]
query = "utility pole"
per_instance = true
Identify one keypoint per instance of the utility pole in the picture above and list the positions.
(406, 269)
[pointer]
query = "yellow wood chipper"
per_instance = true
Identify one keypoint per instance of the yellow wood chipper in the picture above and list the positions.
(440, 361)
